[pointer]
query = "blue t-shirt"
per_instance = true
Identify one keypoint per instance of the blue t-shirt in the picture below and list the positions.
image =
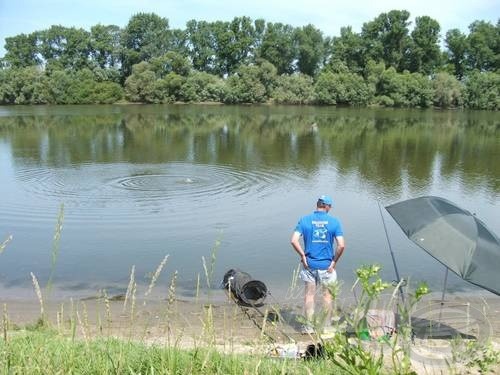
(319, 231)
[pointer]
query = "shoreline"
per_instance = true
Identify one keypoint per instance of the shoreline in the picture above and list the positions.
(25, 311)
(218, 322)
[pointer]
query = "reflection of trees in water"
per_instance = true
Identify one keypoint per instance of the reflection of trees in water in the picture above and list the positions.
(383, 147)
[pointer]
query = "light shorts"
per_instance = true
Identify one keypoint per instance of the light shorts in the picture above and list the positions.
(322, 277)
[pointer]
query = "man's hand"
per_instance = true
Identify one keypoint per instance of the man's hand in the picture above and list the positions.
(331, 267)
(303, 259)
(295, 241)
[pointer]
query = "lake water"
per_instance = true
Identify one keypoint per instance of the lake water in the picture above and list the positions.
(139, 182)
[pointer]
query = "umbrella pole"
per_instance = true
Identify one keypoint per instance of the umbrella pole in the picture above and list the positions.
(444, 291)
(392, 253)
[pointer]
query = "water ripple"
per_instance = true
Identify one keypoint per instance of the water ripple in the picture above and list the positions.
(128, 187)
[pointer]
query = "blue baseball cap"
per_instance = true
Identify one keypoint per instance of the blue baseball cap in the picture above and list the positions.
(326, 199)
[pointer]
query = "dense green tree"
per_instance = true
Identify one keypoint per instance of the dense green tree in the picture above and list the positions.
(105, 45)
(424, 54)
(239, 61)
(179, 42)
(146, 35)
(200, 45)
(21, 50)
(482, 90)
(310, 49)
(293, 89)
(233, 44)
(171, 62)
(348, 48)
(448, 92)
(386, 38)
(278, 47)
(259, 29)
(65, 47)
(457, 46)
(484, 46)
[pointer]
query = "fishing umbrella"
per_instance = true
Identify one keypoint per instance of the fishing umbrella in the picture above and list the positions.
(454, 237)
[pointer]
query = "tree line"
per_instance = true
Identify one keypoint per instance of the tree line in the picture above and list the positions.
(254, 61)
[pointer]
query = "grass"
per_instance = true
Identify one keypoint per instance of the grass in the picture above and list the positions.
(47, 352)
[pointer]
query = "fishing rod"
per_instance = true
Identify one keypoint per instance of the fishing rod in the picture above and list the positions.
(398, 279)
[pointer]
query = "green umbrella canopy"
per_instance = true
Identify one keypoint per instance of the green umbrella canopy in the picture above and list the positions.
(453, 236)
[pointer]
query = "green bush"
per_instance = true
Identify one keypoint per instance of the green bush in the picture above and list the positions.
(202, 87)
(293, 89)
(251, 84)
(448, 92)
(139, 86)
(342, 88)
(23, 86)
(482, 90)
(107, 92)
(405, 89)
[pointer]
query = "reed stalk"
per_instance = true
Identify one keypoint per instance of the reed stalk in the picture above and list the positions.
(38, 292)
(61, 312)
(86, 319)
(82, 327)
(108, 310)
(72, 321)
(55, 245)
(293, 284)
(132, 306)
(207, 277)
(208, 325)
(209, 271)
(171, 292)
(4, 243)
(155, 276)
(5, 322)
(59, 322)
(170, 304)
(129, 288)
(99, 323)
(197, 295)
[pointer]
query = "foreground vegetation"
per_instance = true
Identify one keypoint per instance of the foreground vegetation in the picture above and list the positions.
(46, 352)
(75, 345)
(245, 61)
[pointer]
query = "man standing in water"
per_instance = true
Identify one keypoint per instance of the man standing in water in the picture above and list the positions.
(319, 257)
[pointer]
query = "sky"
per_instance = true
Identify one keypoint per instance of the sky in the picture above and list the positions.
(26, 16)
